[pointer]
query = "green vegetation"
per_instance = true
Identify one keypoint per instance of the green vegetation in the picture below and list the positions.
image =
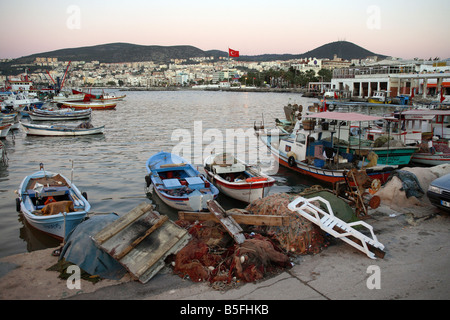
(285, 79)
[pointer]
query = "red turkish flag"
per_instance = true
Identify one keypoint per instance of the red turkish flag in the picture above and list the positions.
(233, 53)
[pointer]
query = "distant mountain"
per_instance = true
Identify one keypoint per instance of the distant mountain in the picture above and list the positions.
(343, 49)
(121, 52)
(126, 52)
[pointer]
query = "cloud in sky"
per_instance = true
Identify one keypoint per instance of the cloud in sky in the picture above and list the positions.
(398, 28)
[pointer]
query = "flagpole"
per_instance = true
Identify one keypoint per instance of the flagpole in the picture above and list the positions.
(229, 67)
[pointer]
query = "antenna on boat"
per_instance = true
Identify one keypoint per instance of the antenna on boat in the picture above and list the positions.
(71, 174)
(41, 167)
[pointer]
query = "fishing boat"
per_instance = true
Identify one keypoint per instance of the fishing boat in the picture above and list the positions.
(178, 183)
(311, 150)
(425, 128)
(108, 97)
(237, 179)
(3, 155)
(4, 130)
(379, 97)
(82, 129)
(90, 105)
(68, 97)
(51, 203)
(56, 115)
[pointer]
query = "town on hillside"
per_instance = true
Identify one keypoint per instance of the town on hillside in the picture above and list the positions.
(355, 78)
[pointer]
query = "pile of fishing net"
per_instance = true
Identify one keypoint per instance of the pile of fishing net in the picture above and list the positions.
(300, 236)
(213, 256)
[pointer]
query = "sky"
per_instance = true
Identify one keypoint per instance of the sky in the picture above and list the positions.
(401, 28)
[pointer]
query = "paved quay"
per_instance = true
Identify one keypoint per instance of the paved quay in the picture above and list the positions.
(415, 267)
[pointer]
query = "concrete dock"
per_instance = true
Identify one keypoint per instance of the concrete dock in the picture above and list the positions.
(415, 267)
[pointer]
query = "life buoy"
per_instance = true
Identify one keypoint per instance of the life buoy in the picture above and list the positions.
(375, 186)
(355, 131)
(291, 161)
(256, 179)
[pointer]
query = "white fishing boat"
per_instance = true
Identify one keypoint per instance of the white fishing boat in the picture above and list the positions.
(312, 151)
(55, 115)
(90, 105)
(237, 179)
(68, 97)
(51, 203)
(82, 129)
(4, 130)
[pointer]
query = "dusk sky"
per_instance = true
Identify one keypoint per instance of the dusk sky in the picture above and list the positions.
(399, 28)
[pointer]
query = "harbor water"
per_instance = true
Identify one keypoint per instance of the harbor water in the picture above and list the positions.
(110, 168)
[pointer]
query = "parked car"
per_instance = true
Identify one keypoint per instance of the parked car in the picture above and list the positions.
(439, 192)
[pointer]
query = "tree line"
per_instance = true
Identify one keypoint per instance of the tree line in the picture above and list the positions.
(290, 78)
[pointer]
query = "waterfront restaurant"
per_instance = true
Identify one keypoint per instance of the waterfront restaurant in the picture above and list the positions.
(402, 79)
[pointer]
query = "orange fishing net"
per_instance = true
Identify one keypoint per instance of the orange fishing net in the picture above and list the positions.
(301, 236)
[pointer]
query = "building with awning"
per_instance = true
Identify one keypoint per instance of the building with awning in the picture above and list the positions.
(397, 79)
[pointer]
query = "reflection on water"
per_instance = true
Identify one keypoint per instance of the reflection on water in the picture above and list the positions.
(110, 168)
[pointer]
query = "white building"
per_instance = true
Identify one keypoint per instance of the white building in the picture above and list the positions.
(308, 64)
(396, 77)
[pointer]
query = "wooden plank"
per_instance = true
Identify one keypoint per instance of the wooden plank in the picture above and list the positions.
(122, 222)
(151, 252)
(247, 219)
(117, 242)
(139, 240)
(232, 227)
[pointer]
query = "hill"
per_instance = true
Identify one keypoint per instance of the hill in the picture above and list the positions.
(120, 52)
(344, 49)
(126, 52)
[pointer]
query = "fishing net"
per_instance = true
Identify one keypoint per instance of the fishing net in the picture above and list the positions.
(213, 256)
(300, 236)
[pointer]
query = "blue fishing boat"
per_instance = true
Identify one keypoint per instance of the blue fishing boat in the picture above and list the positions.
(51, 203)
(178, 183)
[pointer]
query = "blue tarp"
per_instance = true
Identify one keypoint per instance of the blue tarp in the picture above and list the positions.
(81, 250)
(410, 183)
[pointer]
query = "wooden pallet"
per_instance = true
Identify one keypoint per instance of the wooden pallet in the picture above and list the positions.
(141, 240)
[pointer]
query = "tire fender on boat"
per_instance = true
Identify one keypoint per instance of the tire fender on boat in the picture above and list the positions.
(291, 161)
(148, 180)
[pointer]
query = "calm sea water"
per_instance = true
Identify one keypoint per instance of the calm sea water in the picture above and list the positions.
(110, 168)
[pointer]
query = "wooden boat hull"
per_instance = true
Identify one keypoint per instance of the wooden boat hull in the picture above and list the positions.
(245, 190)
(57, 225)
(59, 116)
(325, 175)
(55, 130)
(108, 99)
(431, 159)
(4, 130)
(88, 105)
(189, 192)
(397, 156)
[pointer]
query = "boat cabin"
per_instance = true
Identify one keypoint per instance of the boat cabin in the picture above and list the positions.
(313, 147)
(415, 123)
